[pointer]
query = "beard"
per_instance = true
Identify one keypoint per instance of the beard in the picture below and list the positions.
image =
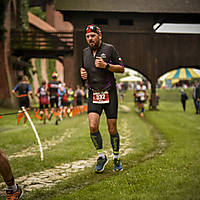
(94, 46)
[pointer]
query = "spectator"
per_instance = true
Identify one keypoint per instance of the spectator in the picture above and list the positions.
(194, 96)
(184, 98)
(198, 98)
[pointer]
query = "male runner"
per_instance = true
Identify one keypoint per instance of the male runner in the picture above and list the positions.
(53, 86)
(42, 94)
(141, 96)
(13, 192)
(22, 91)
(100, 61)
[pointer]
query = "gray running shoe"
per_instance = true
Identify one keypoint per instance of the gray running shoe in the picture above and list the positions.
(101, 163)
(117, 165)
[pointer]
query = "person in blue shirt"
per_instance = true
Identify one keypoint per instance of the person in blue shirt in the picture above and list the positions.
(22, 91)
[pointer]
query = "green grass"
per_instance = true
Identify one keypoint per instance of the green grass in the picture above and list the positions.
(153, 170)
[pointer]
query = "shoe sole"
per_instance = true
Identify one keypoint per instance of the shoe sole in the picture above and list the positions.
(100, 171)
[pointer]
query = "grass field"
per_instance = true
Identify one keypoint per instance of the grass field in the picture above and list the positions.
(160, 155)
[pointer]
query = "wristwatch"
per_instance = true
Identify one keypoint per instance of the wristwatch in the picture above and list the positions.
(107, 66)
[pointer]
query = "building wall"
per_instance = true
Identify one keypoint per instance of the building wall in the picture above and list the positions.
(7, 73)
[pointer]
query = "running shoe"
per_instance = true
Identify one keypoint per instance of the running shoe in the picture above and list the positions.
(101, 163)
(117, 165)
(10, 195)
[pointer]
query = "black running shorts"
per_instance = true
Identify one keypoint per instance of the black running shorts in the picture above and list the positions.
(24, 102)
(54, 101)
(110, 108)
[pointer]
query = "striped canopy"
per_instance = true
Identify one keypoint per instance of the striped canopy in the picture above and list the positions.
(181, 74)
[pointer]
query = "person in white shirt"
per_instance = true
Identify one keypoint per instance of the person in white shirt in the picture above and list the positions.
(141, 96)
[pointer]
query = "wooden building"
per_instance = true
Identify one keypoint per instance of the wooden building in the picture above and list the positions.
(129, 26)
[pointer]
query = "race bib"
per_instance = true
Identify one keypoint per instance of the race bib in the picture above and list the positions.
(101, 97)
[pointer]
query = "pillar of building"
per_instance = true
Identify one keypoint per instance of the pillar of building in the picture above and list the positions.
(153, 95)
(69, 73)
(8, 76)
(50, 13)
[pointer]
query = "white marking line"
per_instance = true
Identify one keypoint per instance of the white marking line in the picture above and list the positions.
(36, 134)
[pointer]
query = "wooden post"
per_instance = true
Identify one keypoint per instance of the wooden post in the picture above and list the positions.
(153, 95)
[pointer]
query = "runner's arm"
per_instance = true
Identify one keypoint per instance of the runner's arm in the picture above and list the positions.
(115, 64)
(100, 63)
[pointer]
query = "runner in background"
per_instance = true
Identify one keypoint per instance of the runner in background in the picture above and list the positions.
(53, 86)
(70, 101)
(61, 95)
(141, 95)
(22, 91)
(42, 94)
(79, 95)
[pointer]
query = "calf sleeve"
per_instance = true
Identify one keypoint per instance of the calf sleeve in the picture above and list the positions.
(97, 140)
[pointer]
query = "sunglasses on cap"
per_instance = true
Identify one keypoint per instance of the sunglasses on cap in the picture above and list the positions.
(92, 28)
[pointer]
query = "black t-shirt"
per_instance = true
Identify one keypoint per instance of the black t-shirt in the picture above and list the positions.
(100, 78)
(22, 88)
(184, 96)
(53, 88)
(198, 92)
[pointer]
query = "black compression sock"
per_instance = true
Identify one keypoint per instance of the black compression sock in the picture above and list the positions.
(115, 143)
(97, 140)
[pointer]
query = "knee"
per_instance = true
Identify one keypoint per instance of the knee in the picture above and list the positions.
(112, 130)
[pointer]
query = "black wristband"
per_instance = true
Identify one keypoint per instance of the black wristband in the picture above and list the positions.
(107, 66)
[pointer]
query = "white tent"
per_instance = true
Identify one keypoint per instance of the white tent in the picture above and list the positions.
(131, 79)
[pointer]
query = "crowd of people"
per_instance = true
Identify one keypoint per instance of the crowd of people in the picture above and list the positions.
(142, 97)
(55, 99)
